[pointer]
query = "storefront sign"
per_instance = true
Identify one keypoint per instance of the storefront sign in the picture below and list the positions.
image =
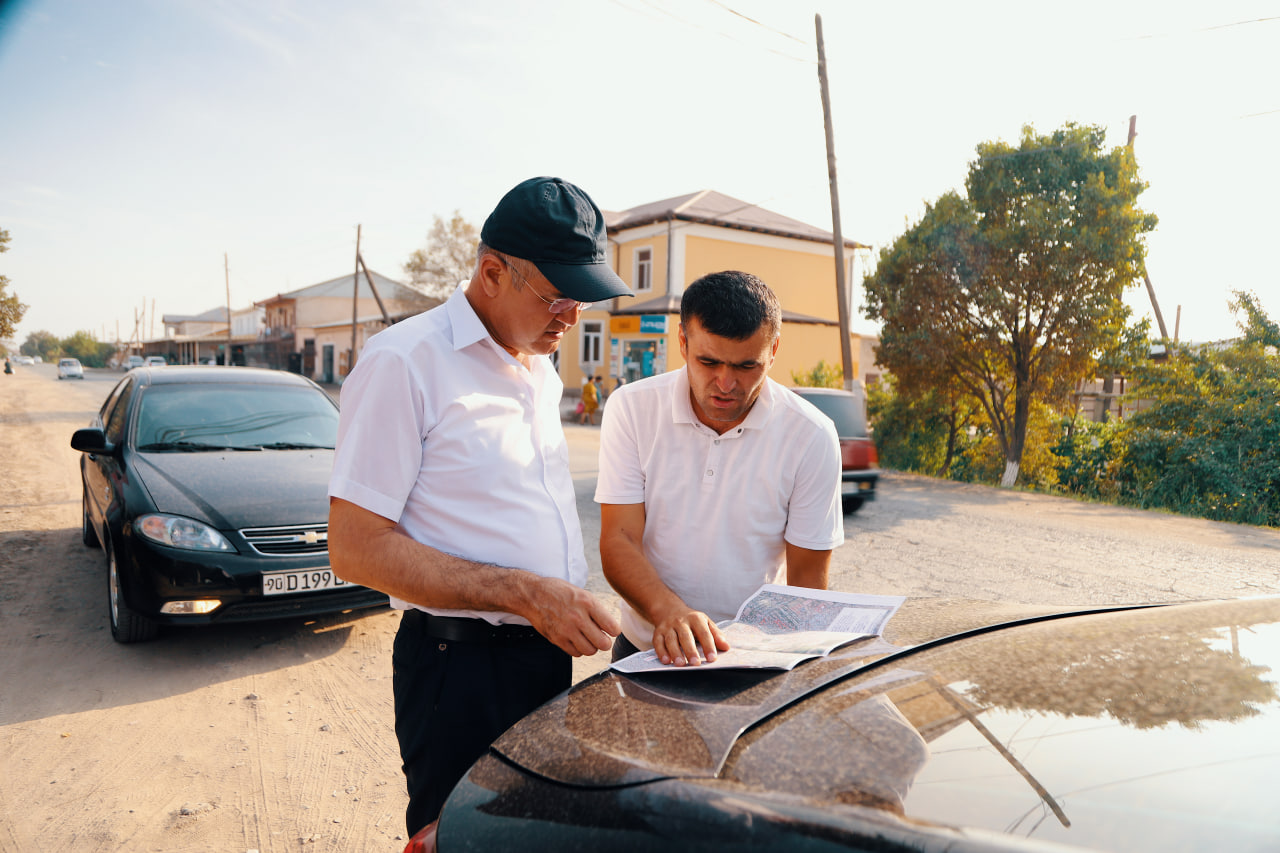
(655, 323)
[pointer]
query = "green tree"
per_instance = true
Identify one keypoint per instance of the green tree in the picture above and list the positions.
(1014, 289)
(90, 352)
(448, 257)
(925, 433)
(43, 344)
(1205, 440)
(11, 310)
(821, 375)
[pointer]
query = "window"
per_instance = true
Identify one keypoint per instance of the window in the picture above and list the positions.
(592, 342)
(643, 276)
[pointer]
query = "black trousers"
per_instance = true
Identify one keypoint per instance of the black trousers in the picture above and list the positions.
(453, 698)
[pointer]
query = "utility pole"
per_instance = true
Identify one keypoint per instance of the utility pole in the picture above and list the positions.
(226, 271)
(355, 306)
(1151, 291)
(842, 292)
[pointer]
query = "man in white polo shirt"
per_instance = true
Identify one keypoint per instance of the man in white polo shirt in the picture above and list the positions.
(714, 479)
(451, 489)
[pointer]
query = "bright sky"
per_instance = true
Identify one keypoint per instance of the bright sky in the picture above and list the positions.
(141, 140)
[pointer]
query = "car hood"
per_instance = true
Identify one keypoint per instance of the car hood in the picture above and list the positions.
(613, 729)
(1145, 729)
(230, 490)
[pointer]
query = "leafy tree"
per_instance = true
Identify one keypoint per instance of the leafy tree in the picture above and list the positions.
(1204, 442)
(11, 310)
(1013, 289)
(925, 433)
(90, 352)
(448, 258)
(43, 344)
(821, 375)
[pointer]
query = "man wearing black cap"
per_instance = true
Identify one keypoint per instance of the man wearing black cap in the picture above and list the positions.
(451, 490)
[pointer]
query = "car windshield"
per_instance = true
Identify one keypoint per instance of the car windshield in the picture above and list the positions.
(210, 416)
(842, 409)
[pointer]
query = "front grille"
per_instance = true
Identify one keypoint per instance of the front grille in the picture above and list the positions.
(288, 541)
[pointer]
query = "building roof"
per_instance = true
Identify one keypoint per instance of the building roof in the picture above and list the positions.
(213, 315)
(387, 289)
(712, 208)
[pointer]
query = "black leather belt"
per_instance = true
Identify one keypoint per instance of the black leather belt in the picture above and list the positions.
(461, 630)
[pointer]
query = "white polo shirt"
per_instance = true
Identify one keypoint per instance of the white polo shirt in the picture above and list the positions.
(445, 433)
(719, 509)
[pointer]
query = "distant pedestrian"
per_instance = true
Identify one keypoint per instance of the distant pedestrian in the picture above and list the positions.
(590, 402)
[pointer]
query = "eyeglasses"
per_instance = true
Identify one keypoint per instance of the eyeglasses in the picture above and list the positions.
(563, 305)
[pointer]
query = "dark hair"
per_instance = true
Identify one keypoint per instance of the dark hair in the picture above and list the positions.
(732, 304)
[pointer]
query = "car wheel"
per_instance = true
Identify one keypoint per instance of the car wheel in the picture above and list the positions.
(126, 625)
(850, 505)
(88, 535)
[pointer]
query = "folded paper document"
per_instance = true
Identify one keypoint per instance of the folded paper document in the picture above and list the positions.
(778, 627)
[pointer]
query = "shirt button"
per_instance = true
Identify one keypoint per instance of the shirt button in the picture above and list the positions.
(717, 442)
(710, 473)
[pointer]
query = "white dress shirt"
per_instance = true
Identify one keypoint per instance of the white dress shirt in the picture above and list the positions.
(445, 433)
(719, 509)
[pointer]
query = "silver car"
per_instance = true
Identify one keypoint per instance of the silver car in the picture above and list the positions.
(70, 368)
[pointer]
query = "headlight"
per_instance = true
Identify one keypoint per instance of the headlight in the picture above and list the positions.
(181, 533)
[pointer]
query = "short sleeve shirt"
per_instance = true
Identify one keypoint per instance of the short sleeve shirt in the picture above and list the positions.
(719, 509)
(445, 433)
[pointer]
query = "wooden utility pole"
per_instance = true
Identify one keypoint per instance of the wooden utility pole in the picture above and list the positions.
(842, 291)
(355, 306)
(226, 269)
(1151, 291)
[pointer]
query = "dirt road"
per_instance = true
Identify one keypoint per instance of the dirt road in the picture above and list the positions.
(278, 737)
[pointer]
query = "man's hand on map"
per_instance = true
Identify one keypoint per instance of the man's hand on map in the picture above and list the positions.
(680, 637)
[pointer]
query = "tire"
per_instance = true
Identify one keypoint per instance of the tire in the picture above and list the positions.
(850, 505)
(88, 535)
(126, 625)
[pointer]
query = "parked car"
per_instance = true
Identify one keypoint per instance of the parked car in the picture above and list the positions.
(1135, 729)
(207, 489)
(859, 464)
(134, 361)
(24, 359)
(70, 368)
(156, 361)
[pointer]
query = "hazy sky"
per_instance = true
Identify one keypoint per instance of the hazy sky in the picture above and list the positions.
(141, 140)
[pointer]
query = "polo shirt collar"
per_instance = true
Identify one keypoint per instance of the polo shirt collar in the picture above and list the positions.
(682, 406)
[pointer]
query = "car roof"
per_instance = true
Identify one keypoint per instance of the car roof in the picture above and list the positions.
(197, 374)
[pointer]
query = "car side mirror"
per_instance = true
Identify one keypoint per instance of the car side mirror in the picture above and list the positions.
(91, 440)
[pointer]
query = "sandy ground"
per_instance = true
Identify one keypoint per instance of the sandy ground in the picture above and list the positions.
(278, 737)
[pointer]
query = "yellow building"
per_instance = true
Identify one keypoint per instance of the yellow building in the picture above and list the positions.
(659, 248)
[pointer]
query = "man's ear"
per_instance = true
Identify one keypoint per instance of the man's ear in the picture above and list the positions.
(489, 272)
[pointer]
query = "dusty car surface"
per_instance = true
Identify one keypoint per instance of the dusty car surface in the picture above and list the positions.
(207, 489)
(859, 465)
(1136, 729)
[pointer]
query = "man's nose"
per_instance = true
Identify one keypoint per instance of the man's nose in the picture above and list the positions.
(725, 379)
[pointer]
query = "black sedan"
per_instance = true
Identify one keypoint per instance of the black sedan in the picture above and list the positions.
(1153, 728)
(207, 488)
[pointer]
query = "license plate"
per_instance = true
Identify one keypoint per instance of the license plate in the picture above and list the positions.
(306, 580)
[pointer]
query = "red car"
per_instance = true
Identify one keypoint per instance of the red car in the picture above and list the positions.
(857, 452)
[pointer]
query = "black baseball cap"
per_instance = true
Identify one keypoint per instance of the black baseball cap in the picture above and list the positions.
(557, 227)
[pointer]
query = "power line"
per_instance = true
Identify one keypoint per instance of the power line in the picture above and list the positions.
(722, 34)
(758, 24)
